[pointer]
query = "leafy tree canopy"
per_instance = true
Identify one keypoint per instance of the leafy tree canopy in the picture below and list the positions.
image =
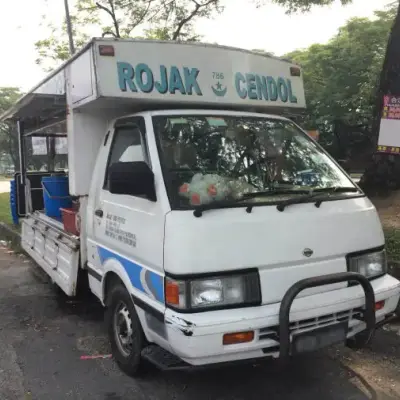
(341, 79)
(153, 19)
(8, 137)
(302, 5)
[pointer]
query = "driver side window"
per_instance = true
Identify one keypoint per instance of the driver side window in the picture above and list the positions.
(129, 145)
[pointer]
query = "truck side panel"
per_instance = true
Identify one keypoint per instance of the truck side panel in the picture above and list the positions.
(86, 127)
(85, 137)
(81, 79)
(56, 253)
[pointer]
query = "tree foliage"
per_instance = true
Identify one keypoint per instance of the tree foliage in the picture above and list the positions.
(301, 5)
(116, 17)
(8, 136)
(180, 15)
(341, 80)
(383, 172)
(153, 19)
(54, 49)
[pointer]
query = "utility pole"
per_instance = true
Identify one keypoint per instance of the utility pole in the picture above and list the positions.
(69, 28)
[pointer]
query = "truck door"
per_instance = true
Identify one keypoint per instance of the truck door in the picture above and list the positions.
(125, 233)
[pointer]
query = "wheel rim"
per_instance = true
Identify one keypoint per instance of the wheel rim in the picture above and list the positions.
(123, 329)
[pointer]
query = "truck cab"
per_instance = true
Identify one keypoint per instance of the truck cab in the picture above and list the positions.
(211, 226)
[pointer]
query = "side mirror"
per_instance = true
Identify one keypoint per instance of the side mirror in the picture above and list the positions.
(132, 178)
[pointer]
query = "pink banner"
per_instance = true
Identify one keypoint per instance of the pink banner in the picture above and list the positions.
(391, 107)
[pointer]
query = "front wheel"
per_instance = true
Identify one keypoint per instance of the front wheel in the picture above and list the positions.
(124, 330)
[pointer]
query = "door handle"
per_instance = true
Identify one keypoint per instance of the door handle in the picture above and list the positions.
(99, 213)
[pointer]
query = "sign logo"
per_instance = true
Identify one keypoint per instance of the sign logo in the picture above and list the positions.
(307, 252)
(219, 89)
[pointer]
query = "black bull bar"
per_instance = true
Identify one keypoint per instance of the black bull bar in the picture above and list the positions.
(368, 314)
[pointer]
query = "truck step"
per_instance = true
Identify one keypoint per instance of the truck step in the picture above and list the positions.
(163, 359)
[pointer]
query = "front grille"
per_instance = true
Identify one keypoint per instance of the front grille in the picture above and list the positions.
(271, 332)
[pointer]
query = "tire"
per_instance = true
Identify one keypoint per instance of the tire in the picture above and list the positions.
(126, 347)
(397, 310)
(358, 341)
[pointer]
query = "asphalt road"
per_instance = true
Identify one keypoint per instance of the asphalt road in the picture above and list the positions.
(43, 335)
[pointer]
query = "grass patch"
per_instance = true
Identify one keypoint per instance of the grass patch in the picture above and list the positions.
(5, 212)
(392, 236)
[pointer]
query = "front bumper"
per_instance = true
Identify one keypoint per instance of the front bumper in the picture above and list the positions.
(197, 338)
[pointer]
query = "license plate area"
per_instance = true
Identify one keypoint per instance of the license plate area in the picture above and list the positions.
(319, 338)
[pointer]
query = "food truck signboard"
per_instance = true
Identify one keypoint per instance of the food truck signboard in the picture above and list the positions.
(200, 74)
(389, 132)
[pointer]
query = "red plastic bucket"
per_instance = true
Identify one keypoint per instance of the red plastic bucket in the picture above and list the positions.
(70, 220)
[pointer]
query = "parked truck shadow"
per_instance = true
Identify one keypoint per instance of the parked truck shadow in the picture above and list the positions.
(86, 307)
(311, 377)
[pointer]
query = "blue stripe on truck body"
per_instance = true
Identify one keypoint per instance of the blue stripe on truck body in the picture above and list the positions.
(142, 279)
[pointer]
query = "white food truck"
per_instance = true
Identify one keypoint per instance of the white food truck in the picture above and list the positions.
(211, 226)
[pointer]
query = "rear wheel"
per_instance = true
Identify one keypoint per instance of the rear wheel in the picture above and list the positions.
(397, 310)
(124, 330)
(358, 341)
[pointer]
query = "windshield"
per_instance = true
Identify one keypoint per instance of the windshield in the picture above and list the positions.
(210, 158)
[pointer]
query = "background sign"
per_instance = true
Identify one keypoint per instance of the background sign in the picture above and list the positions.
(391, 107)
(389, 132)
(39, 146)
(61, 145)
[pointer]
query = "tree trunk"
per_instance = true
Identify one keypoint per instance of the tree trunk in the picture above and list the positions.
(381, 175)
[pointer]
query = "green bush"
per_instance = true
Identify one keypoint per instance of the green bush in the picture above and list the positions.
(5, 212)
(392, 236)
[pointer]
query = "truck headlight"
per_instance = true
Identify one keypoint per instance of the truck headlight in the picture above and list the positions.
(370, 265)
(214, 292)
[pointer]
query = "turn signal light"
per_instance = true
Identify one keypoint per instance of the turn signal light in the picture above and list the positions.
(238, 337)
(106, 50)
(379, 305)
(295, 71)
(172, 293)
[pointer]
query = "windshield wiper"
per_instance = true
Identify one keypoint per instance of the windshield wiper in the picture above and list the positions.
(333, 190)
(315, 193)
(198, 212)
(306, 196)
(337, 189)
(273, 192)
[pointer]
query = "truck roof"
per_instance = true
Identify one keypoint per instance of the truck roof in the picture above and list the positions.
(128, 74)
